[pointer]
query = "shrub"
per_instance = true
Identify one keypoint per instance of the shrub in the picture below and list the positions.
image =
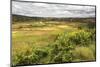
(80, 38)
(33, 57)
(91, 25)
(41, 53)
(60, 50)
(22, 58)
(75, 38)
(88, 25)
(65, 43)
(67, 47)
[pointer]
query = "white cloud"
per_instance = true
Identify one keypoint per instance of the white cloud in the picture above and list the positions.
(40, 4)
(51, 10)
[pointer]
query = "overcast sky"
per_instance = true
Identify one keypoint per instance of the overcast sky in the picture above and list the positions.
(34, 9)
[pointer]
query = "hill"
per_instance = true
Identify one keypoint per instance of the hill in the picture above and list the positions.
(17, 18)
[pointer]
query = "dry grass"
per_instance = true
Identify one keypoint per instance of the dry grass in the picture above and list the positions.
(83, 53)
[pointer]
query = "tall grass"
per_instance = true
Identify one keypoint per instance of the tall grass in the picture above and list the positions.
(83, 54)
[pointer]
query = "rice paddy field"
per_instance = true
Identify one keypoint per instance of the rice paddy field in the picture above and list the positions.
(53, 42)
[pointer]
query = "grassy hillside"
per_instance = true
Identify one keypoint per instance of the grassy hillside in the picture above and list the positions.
(37, 40)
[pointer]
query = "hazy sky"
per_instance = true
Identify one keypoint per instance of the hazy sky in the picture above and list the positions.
(51, 10)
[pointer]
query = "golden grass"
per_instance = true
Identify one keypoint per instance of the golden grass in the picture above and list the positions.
(83, 53)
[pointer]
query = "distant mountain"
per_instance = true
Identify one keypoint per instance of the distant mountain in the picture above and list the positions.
(18, 18)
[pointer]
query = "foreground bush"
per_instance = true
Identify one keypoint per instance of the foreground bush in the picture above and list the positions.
(67, 47)
(82, 38)
(60, 52)
(33, 57)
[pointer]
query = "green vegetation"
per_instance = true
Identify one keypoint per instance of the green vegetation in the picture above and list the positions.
(45, 41)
